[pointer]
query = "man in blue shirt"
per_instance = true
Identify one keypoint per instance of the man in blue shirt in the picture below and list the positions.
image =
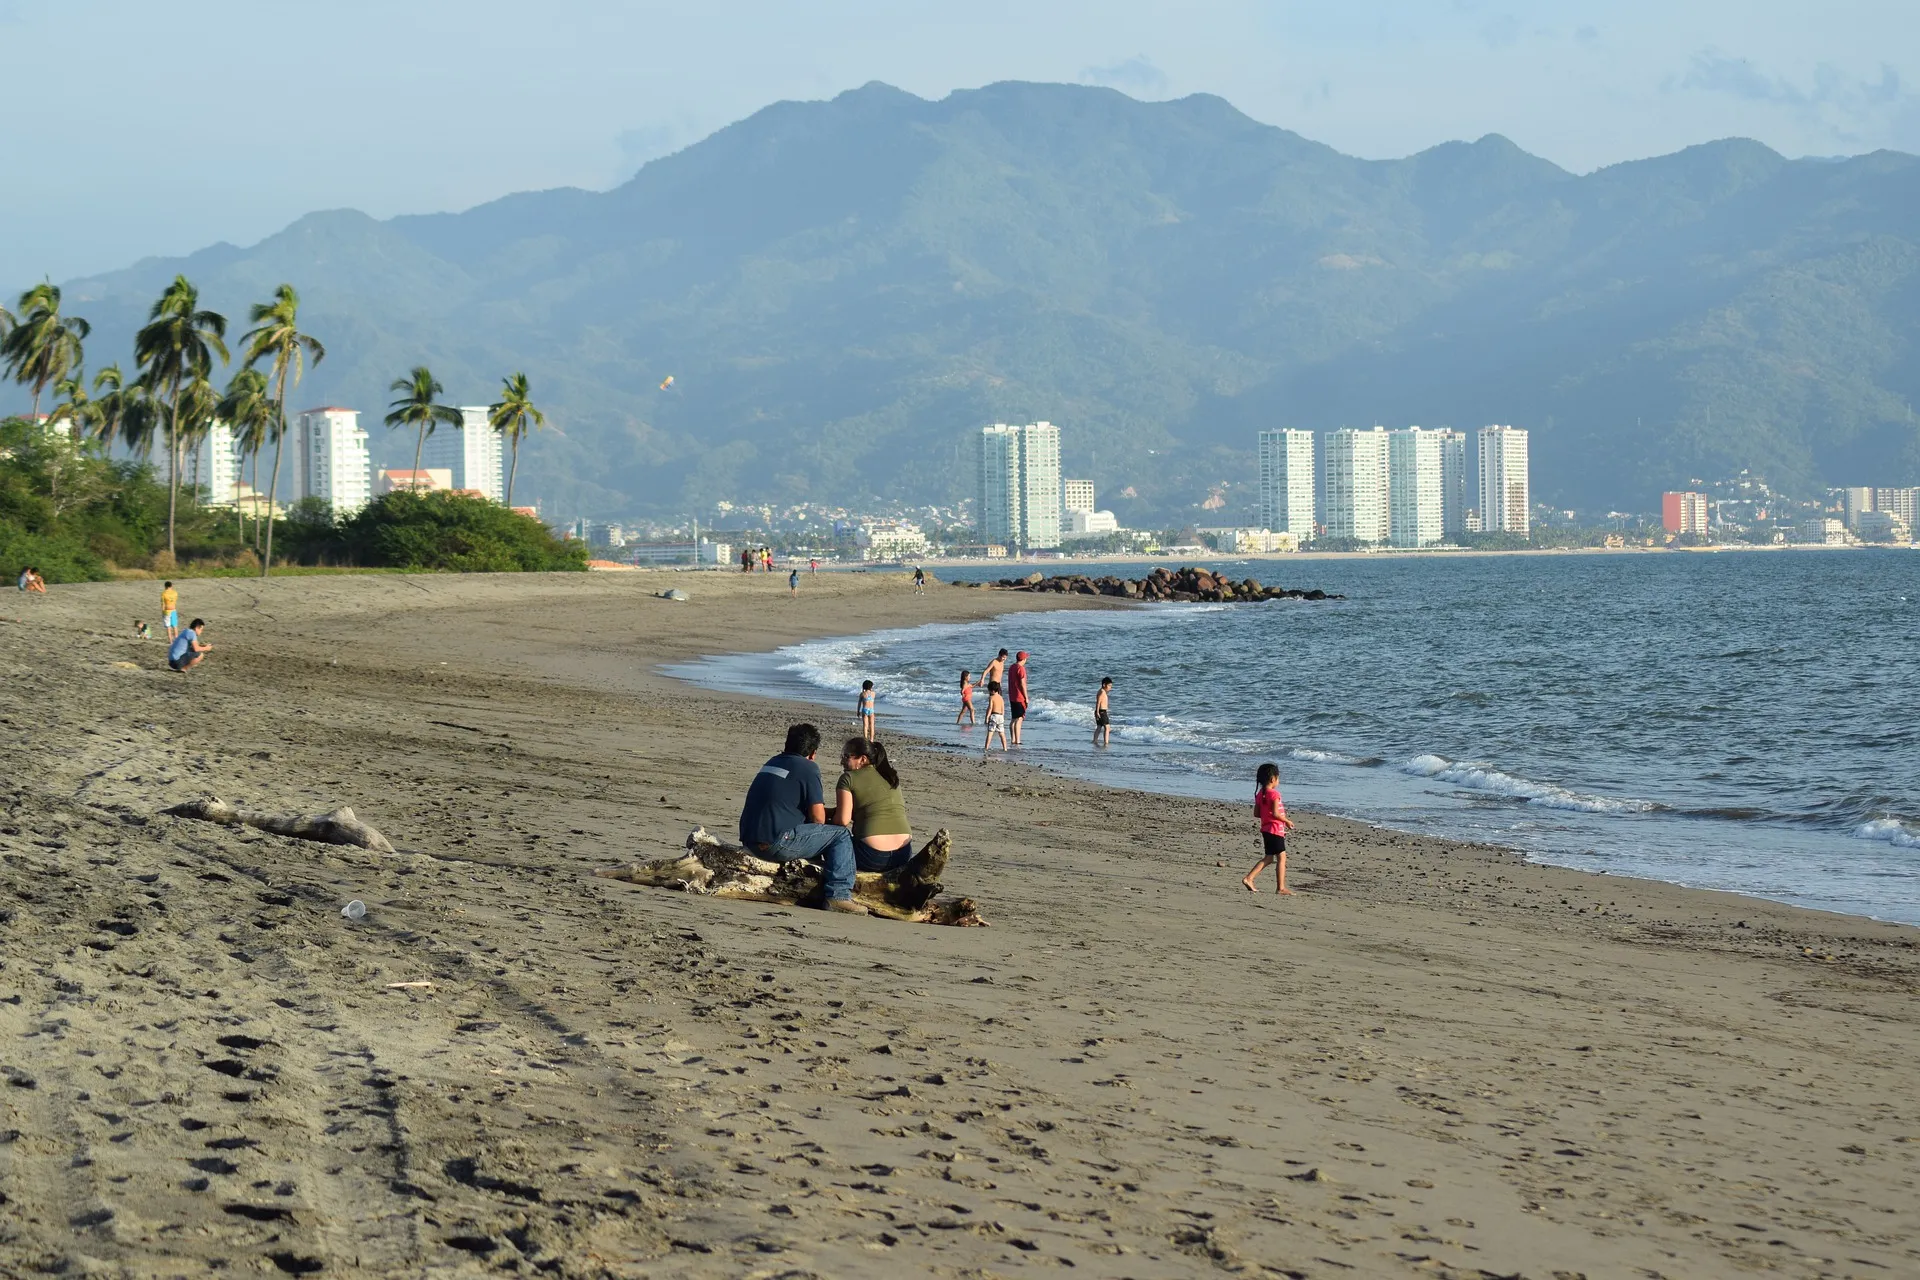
(186, 651)
(785, 818)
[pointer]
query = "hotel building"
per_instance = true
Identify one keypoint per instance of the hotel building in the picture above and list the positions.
(1505, 505)
(1416, 467)
(471, 451)
(1357, 469)
(330, 459)
(1020, 492)
(1286, 482)
(1683, 512)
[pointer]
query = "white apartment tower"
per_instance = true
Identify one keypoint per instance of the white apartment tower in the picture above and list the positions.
(1286, 482)
(1077, 495)
(1416, 491)
(1357, 485)
(1505, 505)
(1453, 482)
(471, 451)
(213, 464)
(1020, 497)
(331, 461)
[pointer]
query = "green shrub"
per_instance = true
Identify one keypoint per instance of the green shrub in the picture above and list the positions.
(453, 532)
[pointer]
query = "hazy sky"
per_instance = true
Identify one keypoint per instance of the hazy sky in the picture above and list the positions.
(136, 128)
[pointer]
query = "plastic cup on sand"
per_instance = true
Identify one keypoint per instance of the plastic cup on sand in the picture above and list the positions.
(354, 910)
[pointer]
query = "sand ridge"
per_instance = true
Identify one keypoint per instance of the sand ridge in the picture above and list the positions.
(1439, 1060)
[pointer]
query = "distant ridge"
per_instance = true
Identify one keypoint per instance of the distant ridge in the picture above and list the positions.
(844, 289)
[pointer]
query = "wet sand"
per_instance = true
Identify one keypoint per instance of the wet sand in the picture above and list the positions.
(1437, 1060)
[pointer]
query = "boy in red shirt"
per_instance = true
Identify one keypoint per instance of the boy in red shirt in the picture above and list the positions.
(1272, 811)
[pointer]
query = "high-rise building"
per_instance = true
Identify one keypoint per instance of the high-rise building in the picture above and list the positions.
(213, 464)
(1683, 512)
(1902, 504)
(331, 461)
(1453, 482)
(1505, 505)
(471, 451)
(1286, 482)
(1416, 515)
(1076, 495)
(1853, 502)
(1020, 498)
(1357, 485)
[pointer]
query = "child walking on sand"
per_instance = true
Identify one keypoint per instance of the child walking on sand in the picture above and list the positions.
(864, 709)
(966, 699)
(1274, 826)
(996, 720)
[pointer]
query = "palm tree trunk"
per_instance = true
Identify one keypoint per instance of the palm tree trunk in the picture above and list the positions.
(173, 465)
(419, 443)
(273, 484)
(512, 471)
(255, 487)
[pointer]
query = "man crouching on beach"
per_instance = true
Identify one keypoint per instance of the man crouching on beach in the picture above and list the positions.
(785, 817)
(186, 652)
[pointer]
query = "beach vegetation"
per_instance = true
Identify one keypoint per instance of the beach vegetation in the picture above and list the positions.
(434, 531)
(276, 340)
(417, 408)
(41, 346)
(175, 350)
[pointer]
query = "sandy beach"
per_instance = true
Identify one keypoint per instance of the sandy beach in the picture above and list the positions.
(1436, 1061)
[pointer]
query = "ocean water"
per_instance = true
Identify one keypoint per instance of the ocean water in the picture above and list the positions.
(1739, 721)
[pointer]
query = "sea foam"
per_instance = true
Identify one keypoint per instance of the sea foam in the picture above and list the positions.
(1492, 781)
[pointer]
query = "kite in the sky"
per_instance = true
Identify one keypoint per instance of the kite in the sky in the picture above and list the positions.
(667, 383)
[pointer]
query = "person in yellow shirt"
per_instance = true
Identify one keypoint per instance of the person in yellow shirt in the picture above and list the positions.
(170, 607)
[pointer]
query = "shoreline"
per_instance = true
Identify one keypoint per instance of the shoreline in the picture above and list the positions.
(1438, 1060)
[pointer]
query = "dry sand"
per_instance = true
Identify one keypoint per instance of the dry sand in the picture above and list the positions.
(1436, 1061)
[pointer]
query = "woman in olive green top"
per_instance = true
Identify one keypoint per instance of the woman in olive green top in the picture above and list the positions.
(870, 802)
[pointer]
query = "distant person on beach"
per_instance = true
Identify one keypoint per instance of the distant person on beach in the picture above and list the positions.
(1017, 694)
(863, 709)
(32, 582)
(186, 651)
(793, 584)
(996, 720)
(1103, 714)
(1274, 825)
(966, 699)
(919, 580)
(995, 670)
(26, 576)
(784, 818)
(766, 559)
(813, 565)
(170, 609)
(746, 559)
(867, 801)
(141, 629)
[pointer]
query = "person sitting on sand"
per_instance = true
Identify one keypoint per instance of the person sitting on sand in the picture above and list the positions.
(26, 576)
(186, 651)
(784, 818)
(35, 583)
(867, 801)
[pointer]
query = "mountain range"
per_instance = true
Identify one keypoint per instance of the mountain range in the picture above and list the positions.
(845, 291)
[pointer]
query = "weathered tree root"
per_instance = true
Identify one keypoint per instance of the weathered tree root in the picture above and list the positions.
(338, 827)
(722, 870)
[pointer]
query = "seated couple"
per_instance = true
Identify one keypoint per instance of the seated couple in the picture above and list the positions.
(785, 815)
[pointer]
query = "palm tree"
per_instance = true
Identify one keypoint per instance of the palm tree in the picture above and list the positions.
(109, 405)
(415, 408)
(42, 346)
(514, 417)
(276, 337)
(75, 405)
(196, 409)
(249, 411)
(176, 347)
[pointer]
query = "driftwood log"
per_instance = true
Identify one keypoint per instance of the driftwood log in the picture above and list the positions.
(714, 867)
(337, 827)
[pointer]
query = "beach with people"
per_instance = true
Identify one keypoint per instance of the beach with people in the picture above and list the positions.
(1435, 1058)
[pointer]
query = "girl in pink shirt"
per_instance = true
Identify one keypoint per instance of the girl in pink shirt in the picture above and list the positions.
(1274, 825)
